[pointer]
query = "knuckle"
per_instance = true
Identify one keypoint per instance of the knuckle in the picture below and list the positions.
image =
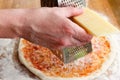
(68, 30)
(66, 11)
(69, 9)
(64, 42)
(56, 11)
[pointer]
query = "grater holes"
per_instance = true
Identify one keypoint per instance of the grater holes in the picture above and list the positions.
(72, 3)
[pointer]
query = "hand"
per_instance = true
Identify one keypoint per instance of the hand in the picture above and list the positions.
(52, 28)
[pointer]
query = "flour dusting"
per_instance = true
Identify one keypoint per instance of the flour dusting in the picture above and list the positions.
(10, 68)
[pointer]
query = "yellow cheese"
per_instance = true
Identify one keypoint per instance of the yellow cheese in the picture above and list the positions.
(94, 23)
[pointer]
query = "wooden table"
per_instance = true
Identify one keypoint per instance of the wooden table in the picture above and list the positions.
(19, 4)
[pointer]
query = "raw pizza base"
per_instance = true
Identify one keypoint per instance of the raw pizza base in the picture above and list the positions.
(93, 75)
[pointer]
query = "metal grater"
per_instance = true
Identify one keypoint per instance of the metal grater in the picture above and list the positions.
(70, 54)
(73, 53)
(72, 3)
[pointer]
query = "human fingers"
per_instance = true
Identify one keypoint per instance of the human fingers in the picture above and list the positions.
(70, 11)
(78, 32)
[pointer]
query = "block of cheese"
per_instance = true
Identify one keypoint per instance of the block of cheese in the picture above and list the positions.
(93, 23)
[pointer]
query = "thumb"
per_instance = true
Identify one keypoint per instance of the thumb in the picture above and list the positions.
(70, 11)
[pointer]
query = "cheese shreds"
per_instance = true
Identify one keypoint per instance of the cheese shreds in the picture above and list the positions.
(44, 60)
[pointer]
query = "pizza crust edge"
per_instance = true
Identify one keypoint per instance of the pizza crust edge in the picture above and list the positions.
(95, 74)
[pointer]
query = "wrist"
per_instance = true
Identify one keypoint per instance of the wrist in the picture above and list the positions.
(21, 26)
(6, 24)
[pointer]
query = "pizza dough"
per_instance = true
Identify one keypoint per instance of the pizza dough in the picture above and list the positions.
(44, 76)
